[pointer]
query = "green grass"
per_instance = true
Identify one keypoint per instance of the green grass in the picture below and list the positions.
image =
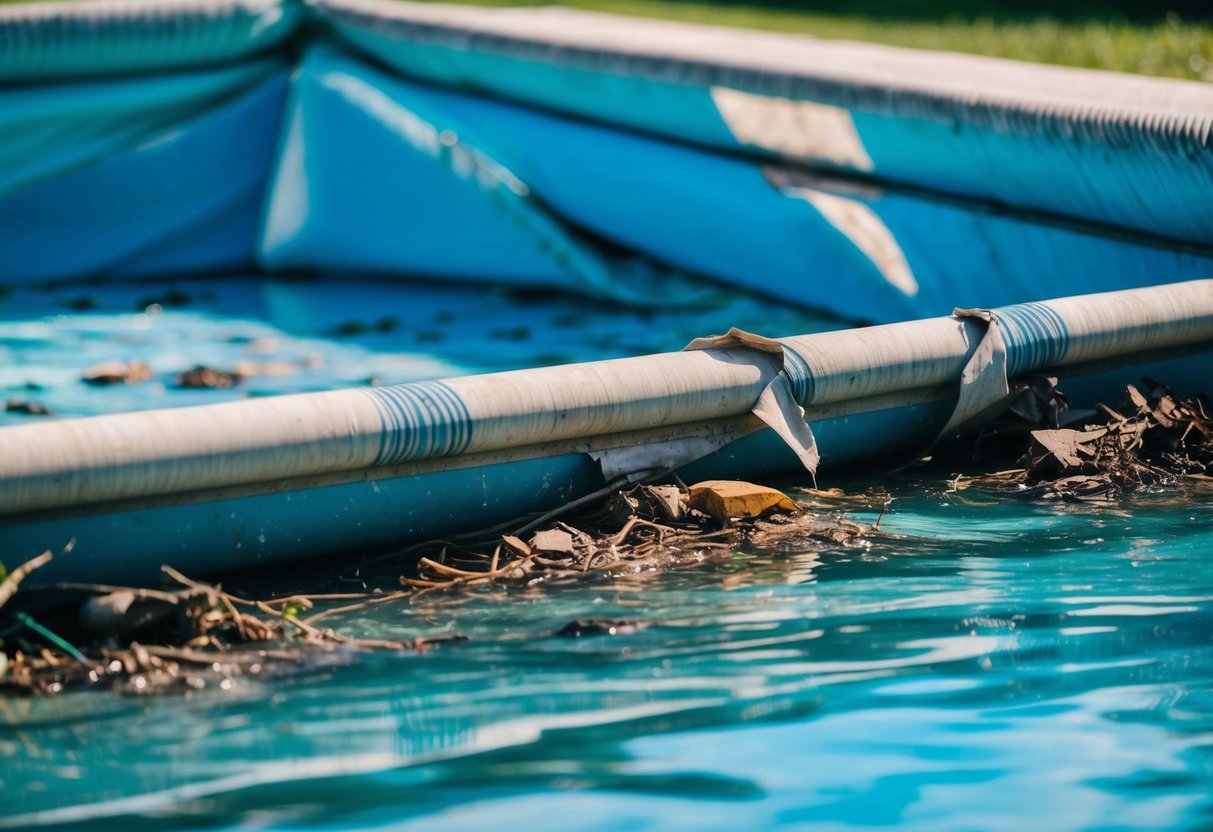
(1124, 36)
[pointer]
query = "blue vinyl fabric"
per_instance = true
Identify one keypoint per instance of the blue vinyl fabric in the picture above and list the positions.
(178, 197)
(1105, 167)
(373, 176)
(384, 174)
(111, 172)
(52, 129)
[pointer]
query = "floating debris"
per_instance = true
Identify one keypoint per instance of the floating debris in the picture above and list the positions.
(189, 637)
(117, 372)
(12, 580)
(640, 529)
(351, 328)
(204, 377)
(511, 333)
(82, 303)
(797, 532)
(201, 376)
(660, 502)
(27, 407)
(1150, 439)
(600, 627)
(172, 298)
(728, 500)
(354, 327)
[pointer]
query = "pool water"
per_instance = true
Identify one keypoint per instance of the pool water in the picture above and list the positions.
(989, 662)
(300, 335)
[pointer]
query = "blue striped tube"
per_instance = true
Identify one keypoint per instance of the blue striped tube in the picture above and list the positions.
(163, 452)
(840, 366)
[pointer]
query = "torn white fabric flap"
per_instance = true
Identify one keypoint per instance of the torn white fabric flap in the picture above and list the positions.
(776, 406)
(984, 388)
(738, 338)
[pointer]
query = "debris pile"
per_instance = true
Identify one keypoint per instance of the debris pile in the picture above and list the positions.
(644, 528)
(190, 635)
(187, 637)
(1152, 438)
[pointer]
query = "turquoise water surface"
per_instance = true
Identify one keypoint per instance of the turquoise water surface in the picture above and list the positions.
(988, 662)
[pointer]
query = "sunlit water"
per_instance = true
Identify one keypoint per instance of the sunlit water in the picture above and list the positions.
(989, 662)
(303, 335)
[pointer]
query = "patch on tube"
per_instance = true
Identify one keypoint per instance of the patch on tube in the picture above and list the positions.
(793, 129)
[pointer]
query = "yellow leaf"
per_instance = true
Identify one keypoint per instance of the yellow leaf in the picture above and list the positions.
(723, 500)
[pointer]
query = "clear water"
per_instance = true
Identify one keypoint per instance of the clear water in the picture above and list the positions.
(319, 334)
(990, 664)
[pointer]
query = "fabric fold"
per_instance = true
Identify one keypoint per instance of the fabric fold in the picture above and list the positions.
(776, 406)
(984, 387)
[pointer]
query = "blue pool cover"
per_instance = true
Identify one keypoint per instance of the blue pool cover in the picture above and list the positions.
(141, 140)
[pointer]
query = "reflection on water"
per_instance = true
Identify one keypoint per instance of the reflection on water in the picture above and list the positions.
(986, 659)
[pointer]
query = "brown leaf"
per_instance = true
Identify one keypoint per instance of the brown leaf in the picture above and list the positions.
(552, 542)
(117, 372)
(28, 407)
(1136, 398)
(201, 377)
(664, 502)
(515, 547)
(1061, 450)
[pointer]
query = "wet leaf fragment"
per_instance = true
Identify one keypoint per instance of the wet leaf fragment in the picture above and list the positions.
(650, 502)
(127, 611)
(552, 542)
(727, 500)
(27, 407)
(514, 547)
(662, 502)
(117, 372)
(1063, 450)
(202, 377)
(169, 299)
(600, 627)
